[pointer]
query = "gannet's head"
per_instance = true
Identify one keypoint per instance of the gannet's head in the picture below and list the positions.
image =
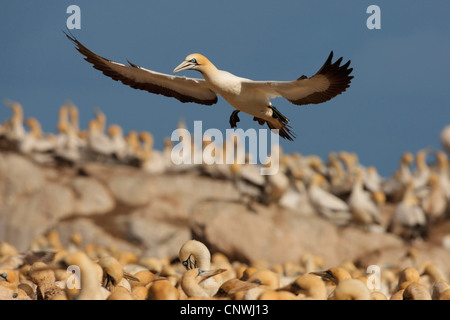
(194, 253)
(31, 122)
(34, 126)
(114, 130)
(194, 61)
(93, 125)
(73, 111)
(146, 137)
(62, 127)
(407, 158)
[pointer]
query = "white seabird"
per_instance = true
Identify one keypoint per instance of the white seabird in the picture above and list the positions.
(252, 97)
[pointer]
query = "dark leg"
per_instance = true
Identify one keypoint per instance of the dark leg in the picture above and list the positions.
(234, 118)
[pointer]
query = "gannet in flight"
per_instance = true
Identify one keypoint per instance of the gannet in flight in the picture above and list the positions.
(252, 97)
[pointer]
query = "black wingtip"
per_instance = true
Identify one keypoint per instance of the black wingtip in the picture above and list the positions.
(330, 57)
(69, 35)
(338, 62)
(72, 38)
(345, 66)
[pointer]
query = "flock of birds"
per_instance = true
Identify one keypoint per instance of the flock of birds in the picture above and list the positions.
(341, 190)
(89, 272)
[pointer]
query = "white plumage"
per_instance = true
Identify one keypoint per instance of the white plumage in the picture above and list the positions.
(252, 97)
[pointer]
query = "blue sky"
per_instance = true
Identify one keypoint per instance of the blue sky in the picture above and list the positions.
(397, 102)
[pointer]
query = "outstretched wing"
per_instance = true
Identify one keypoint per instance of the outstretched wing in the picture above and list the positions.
(331, 80)
(182, 88)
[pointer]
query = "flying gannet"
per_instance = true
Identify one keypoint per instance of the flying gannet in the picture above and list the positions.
(252, 97)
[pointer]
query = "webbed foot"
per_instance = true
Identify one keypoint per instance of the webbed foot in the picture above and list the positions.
(234, 118)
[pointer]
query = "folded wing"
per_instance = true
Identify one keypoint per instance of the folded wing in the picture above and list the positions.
(182, 88)
(331, 80)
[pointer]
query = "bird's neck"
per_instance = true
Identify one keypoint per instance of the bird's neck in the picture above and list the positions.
(90, 287)
(208, 71)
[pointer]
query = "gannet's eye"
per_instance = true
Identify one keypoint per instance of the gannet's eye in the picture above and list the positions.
(193, 60)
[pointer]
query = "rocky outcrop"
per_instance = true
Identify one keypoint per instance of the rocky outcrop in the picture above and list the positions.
(154, 214)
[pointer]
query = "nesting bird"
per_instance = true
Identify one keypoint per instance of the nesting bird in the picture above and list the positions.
(327, 204)
(252, 97)
(99, 144)
(119, 144)
(38, 280)
(15, 130)
(408, 220)
(151, 160)
(351, 289)
(434, 203)
(194, 282)
(195, 255)
(35, 145)
(310, 286)
(445, 138)
(363, 208)
(90, 276)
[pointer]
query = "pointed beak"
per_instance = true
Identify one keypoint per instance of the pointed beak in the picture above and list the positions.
(185, 65)
(208, 274)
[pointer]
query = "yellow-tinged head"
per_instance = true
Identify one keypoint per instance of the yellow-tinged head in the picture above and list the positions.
(62, 127)
(265, 277)
(317, 180)
(35, 126)
(379, 197)
(93, 125)
(407, 158)
(114, 130)
(17, 111)
(194, 254)
(195, 61)
(147, 139)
